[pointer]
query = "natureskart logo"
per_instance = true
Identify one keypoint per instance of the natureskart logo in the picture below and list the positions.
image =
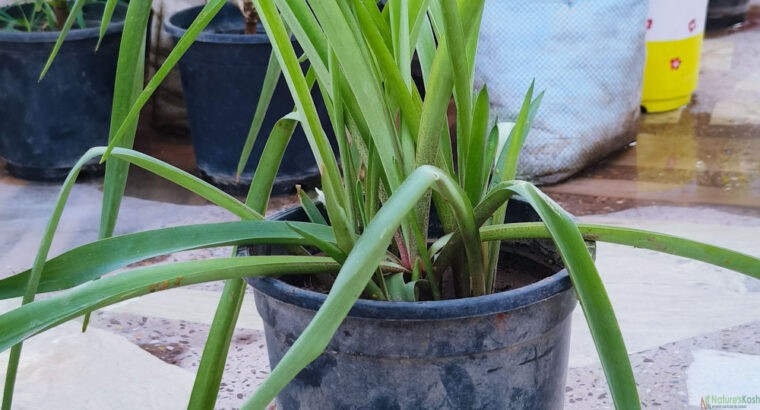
(714, 401)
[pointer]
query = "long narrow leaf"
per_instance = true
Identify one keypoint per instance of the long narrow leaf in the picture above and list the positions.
(455, 40)
(215, 352)
(33, 279)
(269, 164)
(205, 16)
(95, 259)
(316, 136)
(75, 10)
(127, 86)
(330, 249)
(271, 77)
(591, 293)
(31, 319)
(105, 20)
(637, 238)
(310, 208)
(357, 71)
(476, 152)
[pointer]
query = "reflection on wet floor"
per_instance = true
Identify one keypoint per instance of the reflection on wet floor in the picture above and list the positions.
(706, 153)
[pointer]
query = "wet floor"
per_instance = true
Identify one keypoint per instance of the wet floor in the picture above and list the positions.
(704, 154)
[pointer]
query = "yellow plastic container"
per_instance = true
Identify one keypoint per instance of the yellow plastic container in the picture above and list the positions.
(674, 41)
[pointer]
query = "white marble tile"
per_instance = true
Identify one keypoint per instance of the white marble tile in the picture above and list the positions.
(660, 298)
(733, 112)
(186, 304)
(64, 369)
(749, 83)
(720, 378)
(717, 54)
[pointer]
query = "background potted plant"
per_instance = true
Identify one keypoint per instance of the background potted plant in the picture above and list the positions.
(375, 235)
(223, 76)
(50, 120)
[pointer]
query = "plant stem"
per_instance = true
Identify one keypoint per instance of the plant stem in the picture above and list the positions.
(61, 12)
(250, 16)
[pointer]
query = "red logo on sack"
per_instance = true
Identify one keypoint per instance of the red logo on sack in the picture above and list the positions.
(675, 63)
(692, 25)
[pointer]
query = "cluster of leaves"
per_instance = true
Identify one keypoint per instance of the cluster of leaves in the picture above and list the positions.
(397, 162)
(42, 15)
(20, 18)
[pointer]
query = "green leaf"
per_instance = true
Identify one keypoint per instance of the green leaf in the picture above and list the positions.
(301, 21)
(185, 180)
(106, 20)
(75, 10)
(506, 166)
(455, 40)
(591, 293)
(127, 86)
(325, 158)
(474, 178)
(205, 16)
(311, 210)
(91, 261)
(329, 248)
(491, 146)
(271, 77)
(33, 318)
(357, 71)
(213, 358)
(655, 241)
(399, 290)
(269, 163)
(409, 108)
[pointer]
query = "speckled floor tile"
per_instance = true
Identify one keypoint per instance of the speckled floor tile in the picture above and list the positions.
(180, 343)
(661, 373)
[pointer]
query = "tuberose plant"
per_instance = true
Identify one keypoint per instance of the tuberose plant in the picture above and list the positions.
(397, 161)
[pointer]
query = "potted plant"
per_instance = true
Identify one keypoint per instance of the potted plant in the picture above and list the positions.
(377, 239)
(223, 75)
(50, 120)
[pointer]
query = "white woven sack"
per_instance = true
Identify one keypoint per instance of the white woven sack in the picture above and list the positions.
(588, 55)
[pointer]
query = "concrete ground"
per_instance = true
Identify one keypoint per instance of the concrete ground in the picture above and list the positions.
(692, 330)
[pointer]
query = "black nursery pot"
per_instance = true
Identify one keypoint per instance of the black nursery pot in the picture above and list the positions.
(222, 76)
(46, 126)
(506, 350)
(725, 13)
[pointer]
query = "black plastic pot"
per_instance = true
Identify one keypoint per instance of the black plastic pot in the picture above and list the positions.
(506, 350)
(46, 126)
(725, 13)
(222, 76)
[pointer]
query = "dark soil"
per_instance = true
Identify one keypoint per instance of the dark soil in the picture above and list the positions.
(514, 271)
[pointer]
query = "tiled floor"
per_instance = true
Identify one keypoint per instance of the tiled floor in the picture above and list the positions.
(685, 323)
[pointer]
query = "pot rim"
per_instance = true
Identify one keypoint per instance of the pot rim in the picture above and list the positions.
(491, 304)
(428, 310)
(176, 30)
(52, 36)
(501, 302)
